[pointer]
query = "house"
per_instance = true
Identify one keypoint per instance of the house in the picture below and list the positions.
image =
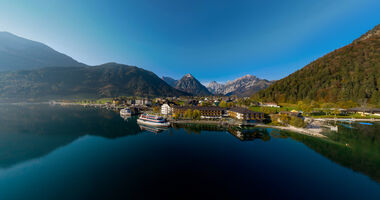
(245, 114)
(365, 111)
(115, 101)
(166, 109)
(143, 102)
(270, 104)
(207, 112)
(130, 101)
(192, 102)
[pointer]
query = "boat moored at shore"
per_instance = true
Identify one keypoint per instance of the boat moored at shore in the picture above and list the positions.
(153, 120)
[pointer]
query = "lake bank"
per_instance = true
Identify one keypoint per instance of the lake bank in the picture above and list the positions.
(315, 132)
(346, 119)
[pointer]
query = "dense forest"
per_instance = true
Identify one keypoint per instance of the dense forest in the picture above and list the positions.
(349, 73)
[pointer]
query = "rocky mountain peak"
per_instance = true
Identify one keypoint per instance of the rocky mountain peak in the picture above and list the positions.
(371, 33)
(188, 76)
(190, 84)
(243, 86)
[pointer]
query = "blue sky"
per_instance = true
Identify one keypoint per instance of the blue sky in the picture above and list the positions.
(213, 40)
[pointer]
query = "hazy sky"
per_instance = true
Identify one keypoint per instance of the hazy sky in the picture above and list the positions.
(213, 40)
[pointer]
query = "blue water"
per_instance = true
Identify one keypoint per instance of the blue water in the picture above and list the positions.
(365, 123)
(50, 152)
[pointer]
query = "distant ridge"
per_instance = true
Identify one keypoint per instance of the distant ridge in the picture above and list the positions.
(243, 86)
(107, 80)
(171, 81)
(17, 53)
(349, 73)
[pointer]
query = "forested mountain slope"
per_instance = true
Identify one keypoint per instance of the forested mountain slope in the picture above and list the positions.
(349, 73)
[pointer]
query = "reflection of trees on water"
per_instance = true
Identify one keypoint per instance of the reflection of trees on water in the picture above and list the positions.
(31, 131)
(243, 134)
(357, 148)
(197, 128)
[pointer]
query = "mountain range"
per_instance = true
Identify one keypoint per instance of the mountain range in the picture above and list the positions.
(349, 73)
(18, 53)
(243, 86)
(32, 70)
(107, 80)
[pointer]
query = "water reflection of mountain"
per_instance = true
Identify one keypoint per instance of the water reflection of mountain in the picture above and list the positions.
(357, 148)
(32, 131)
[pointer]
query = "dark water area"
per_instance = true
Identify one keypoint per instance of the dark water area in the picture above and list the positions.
(55, 152)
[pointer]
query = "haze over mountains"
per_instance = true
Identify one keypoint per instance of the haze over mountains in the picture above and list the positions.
(32, 70)
(18, 53)
(349, 73)
(171, 81)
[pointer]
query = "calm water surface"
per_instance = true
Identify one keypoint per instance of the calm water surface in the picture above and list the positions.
(54, 152)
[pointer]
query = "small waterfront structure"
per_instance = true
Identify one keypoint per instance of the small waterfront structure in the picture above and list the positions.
(365, 111)
(245, 114)
(125, 112)
(166, 109)
(207, 112)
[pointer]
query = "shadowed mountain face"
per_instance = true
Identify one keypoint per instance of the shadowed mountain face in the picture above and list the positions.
(18, 53)
(32, 131)
(108, 80)
(170, 81)
(191, 85)
(349, 73)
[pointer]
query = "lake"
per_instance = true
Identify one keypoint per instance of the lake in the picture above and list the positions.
(73, 152)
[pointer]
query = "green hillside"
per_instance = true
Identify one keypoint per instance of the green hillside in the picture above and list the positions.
(348, 73)
(108, 80)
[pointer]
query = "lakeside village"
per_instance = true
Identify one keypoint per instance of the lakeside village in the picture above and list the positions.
(305, 118)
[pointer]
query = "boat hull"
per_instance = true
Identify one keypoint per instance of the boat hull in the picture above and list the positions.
(155, 124)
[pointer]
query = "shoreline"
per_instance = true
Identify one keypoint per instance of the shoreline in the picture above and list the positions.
(303, 131)
(345, 119)
(316, 132)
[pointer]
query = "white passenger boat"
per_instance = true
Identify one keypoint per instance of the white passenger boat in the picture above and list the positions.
(125, 112)
(153, 120)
